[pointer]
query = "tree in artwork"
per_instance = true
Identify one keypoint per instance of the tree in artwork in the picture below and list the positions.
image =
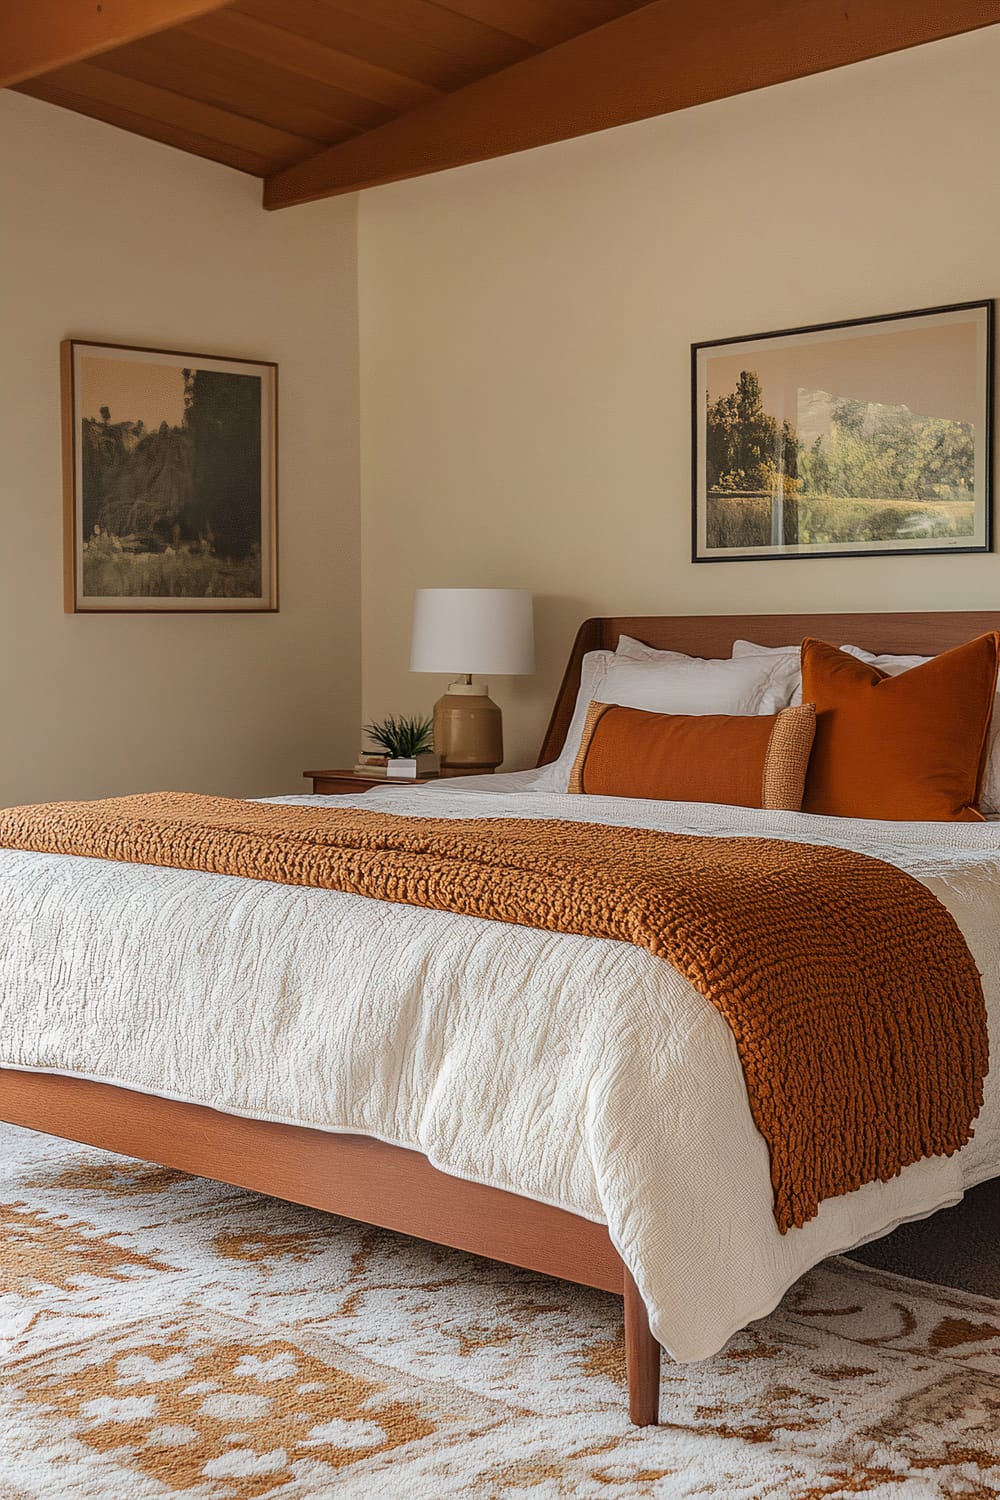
(746, 449)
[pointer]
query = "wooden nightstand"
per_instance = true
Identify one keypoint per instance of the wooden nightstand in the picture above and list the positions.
(343, 783)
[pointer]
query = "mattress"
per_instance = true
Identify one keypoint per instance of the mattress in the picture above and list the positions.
(581, 1072)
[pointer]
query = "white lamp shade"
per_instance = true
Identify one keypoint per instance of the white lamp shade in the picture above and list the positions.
(488, 632)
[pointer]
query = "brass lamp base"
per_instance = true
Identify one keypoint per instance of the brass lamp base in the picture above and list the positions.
(468, 730)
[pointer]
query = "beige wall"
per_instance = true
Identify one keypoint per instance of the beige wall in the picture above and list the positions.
(107, 236)
(525, 332)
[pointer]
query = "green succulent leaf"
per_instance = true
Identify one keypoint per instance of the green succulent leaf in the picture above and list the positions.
(401, 738)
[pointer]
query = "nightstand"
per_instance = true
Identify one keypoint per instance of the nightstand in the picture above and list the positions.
(343, 783)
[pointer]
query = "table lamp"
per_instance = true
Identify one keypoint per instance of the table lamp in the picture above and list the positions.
(471, 631)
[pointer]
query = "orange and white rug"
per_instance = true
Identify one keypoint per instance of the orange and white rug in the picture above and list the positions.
(165, 1336)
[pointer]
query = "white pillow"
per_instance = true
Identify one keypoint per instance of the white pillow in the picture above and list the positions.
(751, 648)
(893, 666)
(635, 650)
(713, 687)
(700, 685)
(555, 776)
(743, 649)
(718, 686)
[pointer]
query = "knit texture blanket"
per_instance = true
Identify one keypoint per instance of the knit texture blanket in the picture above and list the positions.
(856, 1007)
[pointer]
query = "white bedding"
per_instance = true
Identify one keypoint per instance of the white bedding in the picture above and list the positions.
(580, 1072)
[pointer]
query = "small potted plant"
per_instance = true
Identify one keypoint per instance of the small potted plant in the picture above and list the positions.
(408, 743)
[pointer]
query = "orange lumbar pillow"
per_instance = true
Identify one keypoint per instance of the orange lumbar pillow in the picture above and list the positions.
(755, 761)
(906, 747)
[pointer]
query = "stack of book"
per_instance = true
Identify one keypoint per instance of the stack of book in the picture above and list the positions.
(369, 763)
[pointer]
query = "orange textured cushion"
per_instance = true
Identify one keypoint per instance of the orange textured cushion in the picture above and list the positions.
(758, 760)
(906, 747)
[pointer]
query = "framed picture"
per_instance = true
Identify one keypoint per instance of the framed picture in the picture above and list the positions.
(170, 480)
(853, 439)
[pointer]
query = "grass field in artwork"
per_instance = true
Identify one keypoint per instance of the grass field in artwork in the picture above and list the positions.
(762, 520)
(117, 567)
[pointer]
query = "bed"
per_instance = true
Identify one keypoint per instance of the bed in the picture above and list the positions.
(690, 1268)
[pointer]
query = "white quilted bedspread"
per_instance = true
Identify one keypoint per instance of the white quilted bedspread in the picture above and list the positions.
(580, 1072)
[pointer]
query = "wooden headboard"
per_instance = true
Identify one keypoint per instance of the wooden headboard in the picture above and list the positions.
(713, 635)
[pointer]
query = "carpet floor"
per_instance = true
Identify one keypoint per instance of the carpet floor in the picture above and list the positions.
(164, 1336)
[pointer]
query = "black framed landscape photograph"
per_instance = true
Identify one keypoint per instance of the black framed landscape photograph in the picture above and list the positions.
(170, 480)
(859, 438)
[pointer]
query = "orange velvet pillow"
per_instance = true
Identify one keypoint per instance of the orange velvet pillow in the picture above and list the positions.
(758, 760)
(906, 747)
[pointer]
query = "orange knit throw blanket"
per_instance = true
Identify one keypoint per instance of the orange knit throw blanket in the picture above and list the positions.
(854, 1001)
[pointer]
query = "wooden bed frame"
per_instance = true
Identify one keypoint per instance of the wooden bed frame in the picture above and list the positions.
(396, 1188)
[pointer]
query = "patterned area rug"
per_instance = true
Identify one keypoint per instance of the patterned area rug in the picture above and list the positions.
(166, 1336)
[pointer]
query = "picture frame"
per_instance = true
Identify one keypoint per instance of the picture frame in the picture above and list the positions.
(868, 437)
(170, 495)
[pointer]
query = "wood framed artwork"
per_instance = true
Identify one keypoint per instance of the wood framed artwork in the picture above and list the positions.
(862, 438)
(169, 480)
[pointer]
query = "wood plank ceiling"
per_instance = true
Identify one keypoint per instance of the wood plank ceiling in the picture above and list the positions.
(260, 84)
(325, 96)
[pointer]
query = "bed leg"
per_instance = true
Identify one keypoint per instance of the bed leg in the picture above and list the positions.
(642, 1359)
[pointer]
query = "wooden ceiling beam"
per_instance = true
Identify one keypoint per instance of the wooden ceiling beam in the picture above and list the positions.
(651, 61)
(37, 36)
